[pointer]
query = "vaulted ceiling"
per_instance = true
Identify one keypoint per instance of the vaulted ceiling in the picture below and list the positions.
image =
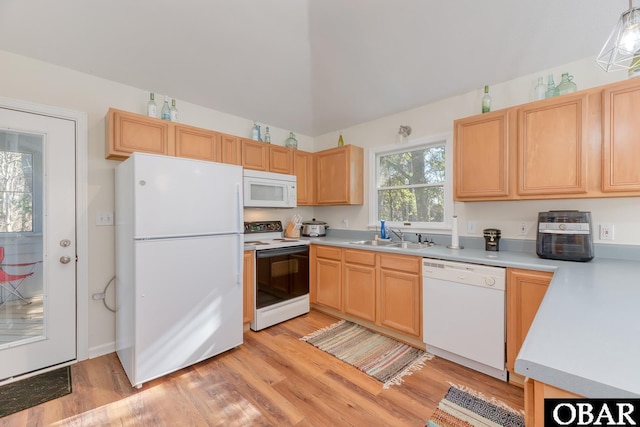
(311, 66)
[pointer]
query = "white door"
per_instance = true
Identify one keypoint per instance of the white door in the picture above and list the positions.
(38, 238)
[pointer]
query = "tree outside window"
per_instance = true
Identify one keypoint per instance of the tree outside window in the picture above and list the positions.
(16, 192)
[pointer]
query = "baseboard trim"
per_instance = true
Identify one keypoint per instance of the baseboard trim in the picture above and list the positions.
(101, 350)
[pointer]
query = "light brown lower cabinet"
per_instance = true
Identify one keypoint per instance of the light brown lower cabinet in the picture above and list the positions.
(326, 276)
(400, 298)
(379, 288)
(359, 271)
(525, 291)
(248, 281)
(534, 394)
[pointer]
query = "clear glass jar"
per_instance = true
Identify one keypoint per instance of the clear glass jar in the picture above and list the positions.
(566, 85)
(291, 142)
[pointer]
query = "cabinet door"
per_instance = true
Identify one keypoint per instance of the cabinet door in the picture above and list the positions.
(620, 130)
(552, 146)
(339, 176)
(196, 143)
(129, 132)
(481, 157)
(359, 275)
(230, 151)
(525, 290)
(255, 155)
(280, 159)
(328, 282)
(304, 170)
(248, 281)
(400, 294)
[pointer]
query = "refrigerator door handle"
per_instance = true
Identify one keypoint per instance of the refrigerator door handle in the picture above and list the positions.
(239, 273)
(240, 205)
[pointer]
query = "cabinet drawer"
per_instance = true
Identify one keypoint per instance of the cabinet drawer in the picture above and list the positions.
(360, 257)
(408, 264)
(328, 252)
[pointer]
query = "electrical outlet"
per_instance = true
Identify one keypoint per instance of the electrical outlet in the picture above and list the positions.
(524, 228)
(104, 218)
(472, 227)
(606, 231)
(345, 222)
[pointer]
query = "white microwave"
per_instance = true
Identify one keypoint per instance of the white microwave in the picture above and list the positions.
(269, 190)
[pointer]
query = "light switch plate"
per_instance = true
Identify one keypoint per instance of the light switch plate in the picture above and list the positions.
(104, 218)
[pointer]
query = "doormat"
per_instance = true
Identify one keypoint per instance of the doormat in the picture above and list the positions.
(465, 407)
(383, 358)
(33, 391)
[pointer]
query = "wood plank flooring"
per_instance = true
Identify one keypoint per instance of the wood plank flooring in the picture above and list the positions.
(273, 379)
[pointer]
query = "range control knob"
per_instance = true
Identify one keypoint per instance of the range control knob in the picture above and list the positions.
(489, 281)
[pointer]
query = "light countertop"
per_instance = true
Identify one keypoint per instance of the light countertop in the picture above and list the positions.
(586, 335)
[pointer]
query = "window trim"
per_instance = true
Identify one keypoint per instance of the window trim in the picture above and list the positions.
(447, 138)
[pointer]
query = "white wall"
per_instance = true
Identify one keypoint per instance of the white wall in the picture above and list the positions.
(35, 81)
(437, 118)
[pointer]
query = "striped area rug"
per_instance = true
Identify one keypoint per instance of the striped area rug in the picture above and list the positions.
(383, 358)
(463, 407)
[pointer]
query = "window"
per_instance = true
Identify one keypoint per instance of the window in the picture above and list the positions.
(412, 187)
(21, 185)
(16, 192)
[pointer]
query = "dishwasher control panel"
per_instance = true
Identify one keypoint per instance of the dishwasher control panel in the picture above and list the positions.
(470, 274)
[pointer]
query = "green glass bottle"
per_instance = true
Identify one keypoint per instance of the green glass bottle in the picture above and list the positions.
(340, 140)
(486, 100)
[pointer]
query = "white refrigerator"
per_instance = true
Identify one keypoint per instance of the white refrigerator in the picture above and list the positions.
(179, 247)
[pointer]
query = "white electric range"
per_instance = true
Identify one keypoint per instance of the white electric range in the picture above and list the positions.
(281, 274)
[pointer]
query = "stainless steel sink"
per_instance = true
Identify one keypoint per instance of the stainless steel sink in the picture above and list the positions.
(410, 245)
(373, 242)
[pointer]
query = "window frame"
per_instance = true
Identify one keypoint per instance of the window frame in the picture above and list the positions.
(424, 142)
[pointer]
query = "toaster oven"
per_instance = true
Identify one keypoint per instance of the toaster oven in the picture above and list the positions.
(565, 235)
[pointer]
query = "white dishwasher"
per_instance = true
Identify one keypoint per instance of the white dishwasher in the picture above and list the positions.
(464, 314)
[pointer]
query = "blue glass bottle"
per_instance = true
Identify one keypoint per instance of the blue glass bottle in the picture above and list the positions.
(383, 230)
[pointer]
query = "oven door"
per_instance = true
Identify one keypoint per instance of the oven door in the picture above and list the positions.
(281, 274)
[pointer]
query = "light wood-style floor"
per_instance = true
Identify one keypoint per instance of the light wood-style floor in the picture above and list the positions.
(273, 379)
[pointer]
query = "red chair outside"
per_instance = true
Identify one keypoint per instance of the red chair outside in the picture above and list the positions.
(12, 282)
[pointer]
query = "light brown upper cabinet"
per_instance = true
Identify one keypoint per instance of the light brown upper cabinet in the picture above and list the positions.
(196, 143)
(552, 146)
(481, 157)
(280, 159)
(255, 155)
(620, 133)
(130, 132)
(339, 176)
(304, 168)
(230, 150)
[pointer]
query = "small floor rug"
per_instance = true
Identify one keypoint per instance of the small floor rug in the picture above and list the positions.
(465, 407)
(383, 358)
(33, 391)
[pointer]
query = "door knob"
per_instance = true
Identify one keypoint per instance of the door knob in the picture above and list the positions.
(65, 259)
(65, 243)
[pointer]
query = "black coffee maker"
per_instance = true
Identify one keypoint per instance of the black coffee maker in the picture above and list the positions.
(491, 239)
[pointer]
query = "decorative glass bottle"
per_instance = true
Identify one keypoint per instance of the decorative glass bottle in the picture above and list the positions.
(166, 110)
(540, 90)
(383, 230)
(291, 142)
(340, 140)
(174, 111)
(152, 108)
(551, 88)
(267, 136)
(566, 85)
(255, 132)
(486, 100)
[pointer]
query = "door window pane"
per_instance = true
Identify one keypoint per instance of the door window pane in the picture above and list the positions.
(21, 283)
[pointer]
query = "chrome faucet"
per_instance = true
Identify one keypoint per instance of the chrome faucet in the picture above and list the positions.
(398, 233)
